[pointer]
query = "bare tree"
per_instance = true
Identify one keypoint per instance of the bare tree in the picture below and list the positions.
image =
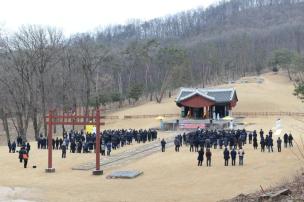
(43, 47)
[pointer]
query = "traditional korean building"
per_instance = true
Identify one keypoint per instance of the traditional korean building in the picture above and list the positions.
(203, 103)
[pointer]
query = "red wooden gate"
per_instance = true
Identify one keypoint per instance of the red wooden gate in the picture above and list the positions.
(74, 119)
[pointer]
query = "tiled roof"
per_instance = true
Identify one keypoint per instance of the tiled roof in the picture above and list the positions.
(219, 95)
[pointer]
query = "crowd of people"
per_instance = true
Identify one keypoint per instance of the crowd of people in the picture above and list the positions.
(201, 141)
(81, 142)
(232, 141)
(23, 151)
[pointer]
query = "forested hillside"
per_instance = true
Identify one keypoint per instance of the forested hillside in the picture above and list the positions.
(41, 69)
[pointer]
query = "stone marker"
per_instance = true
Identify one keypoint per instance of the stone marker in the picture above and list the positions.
(124, 174)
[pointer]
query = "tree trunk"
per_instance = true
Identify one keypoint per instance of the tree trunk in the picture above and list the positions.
(21, 127)
(62, 126)
(55, 126)
(159, 99)
(120, 89)
(88, 94)
(35, 123)
(5, 124)
(203, 75)
(43, 104)
(289, 75)
(146, 76)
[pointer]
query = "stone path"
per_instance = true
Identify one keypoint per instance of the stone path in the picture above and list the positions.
(127, 156)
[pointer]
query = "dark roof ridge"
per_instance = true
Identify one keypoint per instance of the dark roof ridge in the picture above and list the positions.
(204, 93)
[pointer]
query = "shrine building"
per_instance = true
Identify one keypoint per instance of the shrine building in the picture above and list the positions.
(203, 103)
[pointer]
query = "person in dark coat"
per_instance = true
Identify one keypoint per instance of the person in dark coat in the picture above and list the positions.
(109, 148)
(255, 143)
(177, 144)
(267, 142)
(63, 148)
(221, 143)
(200, 157)
(279, 143)
(261, 134)
(9, 146)
(73, 147)
(38, 143)
(28, 147)
(191, 145)
(19, 141)
(103, 149)
(290, 139)
(208, 156)
(57, 143)
(60, 143)
(250, 138)
(196, 143)
(14, 145)
(285, 137)
(233, 156)
(226, 156)
(262, 142)
(163, 145)
(254, 134)
(270, 144)
(53, 143)
(270, 133)
(184, 139)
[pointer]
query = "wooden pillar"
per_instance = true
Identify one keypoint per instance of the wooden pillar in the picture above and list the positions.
(50, 168)
(97, 171)
(224, 114)
(230, 110)
(74, 119)
(54, 130)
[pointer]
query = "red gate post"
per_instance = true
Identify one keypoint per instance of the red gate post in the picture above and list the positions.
(50, 169)
(97, 171)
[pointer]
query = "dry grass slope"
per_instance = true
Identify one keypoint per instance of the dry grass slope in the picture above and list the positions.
(168, 176)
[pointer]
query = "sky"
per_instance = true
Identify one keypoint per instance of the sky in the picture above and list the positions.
(74, 16)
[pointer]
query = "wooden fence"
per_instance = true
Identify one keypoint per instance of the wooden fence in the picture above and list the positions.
(110, 117)
(256, 114)
(235, 114)
(150, 116)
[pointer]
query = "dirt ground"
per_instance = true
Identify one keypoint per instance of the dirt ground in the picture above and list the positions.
(168, 176)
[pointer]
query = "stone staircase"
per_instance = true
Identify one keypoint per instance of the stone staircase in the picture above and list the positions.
(127, 156)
